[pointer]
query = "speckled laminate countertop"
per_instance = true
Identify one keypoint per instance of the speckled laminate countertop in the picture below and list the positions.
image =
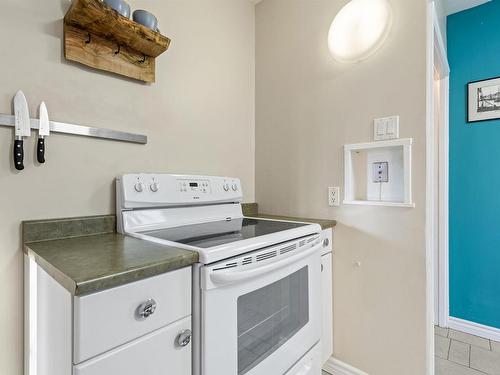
(252, 210)
(325, 224)
(100, 258)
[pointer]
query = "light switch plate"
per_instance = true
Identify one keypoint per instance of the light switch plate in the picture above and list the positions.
(334, 196)
(381, 128)
(386, 128)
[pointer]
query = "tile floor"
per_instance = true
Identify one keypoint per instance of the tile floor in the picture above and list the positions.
(458, 353)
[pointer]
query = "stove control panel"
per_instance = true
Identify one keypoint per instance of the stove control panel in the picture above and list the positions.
(152, 190)
(194, 185)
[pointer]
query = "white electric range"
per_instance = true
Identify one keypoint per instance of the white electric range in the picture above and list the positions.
(256, 288)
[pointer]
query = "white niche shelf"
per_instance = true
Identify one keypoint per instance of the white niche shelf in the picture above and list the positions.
(360, 162)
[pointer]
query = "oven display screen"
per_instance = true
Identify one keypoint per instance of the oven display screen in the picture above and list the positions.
(193, 184)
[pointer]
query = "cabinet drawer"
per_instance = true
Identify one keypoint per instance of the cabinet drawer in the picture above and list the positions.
(154, 354)
(108, 319)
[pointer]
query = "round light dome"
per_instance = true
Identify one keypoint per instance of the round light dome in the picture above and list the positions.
(359, 29)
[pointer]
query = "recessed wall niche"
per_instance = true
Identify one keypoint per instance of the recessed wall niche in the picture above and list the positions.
(378, 173)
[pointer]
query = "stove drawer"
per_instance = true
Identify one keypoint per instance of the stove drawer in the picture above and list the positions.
(157, 353)
(108, 319)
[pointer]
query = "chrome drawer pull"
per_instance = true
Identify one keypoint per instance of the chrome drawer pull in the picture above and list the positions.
(184, 338)
(326, 242)
(145, 309)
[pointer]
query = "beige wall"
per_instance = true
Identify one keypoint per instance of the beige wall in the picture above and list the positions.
(307, 107)
(199, 118)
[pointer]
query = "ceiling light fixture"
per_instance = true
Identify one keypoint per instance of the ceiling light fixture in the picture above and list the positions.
(359, 29)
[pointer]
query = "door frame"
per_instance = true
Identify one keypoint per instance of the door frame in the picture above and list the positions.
(440, 64)
(443, 205)
(436, 61)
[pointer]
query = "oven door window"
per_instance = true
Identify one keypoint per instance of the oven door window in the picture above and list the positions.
(270, 316)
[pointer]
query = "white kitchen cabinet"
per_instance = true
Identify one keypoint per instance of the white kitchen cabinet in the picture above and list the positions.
(155, 354)
(104, 332)
(107, 319)
(327, 295)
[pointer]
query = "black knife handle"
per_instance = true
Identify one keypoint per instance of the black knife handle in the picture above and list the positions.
(40, 150)
(18, 154)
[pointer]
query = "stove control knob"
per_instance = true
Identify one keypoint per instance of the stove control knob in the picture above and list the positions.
(235, 187)
(155, 186)
(226, 187)
(139, 187)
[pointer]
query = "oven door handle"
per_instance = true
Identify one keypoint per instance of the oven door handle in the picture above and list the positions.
(231, 277)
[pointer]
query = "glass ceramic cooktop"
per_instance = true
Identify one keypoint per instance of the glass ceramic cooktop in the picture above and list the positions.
(221, 232)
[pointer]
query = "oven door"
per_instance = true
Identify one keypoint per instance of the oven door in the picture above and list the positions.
(260, 320)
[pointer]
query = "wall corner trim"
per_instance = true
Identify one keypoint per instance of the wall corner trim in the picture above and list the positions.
(337, 367)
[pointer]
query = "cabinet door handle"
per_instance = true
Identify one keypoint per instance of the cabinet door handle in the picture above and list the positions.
(183, 338)
(145, 309)
(326, 242)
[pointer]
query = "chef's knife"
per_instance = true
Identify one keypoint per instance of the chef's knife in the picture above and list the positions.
(23, 128)
(43, 131)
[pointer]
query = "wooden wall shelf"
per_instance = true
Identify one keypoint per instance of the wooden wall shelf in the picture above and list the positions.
(97, 36)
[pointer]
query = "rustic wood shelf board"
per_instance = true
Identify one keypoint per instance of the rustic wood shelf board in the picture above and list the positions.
(99, 53)
(97, 36)
(99, 19)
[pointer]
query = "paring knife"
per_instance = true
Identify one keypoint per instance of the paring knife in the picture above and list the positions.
(23, 128)
(43, 131)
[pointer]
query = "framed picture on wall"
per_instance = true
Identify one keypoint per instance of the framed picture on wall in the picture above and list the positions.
(484, 100)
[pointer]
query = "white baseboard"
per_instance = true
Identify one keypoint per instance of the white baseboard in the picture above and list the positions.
(474, 328)
(336, 367)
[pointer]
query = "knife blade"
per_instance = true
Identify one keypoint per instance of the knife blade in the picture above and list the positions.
(22, 128)
(43, 131)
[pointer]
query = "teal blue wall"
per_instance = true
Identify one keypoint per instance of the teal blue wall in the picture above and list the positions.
(474, 54)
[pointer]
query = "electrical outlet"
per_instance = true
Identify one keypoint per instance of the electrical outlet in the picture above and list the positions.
(380, 172)
(334, 196)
